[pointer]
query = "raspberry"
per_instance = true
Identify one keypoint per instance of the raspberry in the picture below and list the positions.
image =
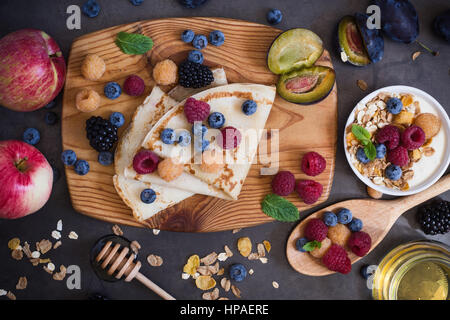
(309, 190)
(390, 136)
(165, 72)
(87, 100)
(336, 259)
(339, 234)
(313, 164)
(230, 138)
(134, 86)
(413, 138)
(145, 161)
(316, 230)
(93, 67)
(399, 156)
(196, 110)
(169, 169)
(283, 183)
(360, 243)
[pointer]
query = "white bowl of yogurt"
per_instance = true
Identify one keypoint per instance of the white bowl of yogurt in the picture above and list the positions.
(430, 168)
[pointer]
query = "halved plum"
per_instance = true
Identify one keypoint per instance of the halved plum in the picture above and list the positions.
(294, 49)
(372, 38)
(351, 45)
(307, 85)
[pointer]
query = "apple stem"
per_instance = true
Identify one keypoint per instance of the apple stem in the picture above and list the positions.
(434, 53)
(21, 165)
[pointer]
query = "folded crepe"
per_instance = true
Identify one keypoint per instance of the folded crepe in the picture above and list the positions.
(227, 100)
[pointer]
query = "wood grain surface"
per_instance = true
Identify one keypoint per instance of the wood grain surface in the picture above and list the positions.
(243, 56)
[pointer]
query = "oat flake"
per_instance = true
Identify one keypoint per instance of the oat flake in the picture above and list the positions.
(156, 231)
(56, 235)
(275, 284)
(59, 225)
(185, 276)
(3, 292)
(73, 235)
(35, 254)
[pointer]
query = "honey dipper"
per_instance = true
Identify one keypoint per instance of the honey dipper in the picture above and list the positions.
(113, 259)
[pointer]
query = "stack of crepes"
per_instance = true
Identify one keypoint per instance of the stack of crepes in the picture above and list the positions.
(160, 111)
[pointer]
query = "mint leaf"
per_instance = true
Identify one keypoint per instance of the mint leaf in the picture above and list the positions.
(310, 246)
(370, 150)
(360, 133)
(133, 43)
(279, 208)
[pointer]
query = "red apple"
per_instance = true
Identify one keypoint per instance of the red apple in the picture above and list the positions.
(32, 70)
(26, 179)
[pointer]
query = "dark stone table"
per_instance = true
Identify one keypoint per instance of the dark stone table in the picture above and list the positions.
(428, 73)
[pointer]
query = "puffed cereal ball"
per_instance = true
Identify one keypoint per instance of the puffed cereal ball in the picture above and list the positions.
(87, 100)
(93, 67)
(165, 72)
(169, 169)
(339, 234)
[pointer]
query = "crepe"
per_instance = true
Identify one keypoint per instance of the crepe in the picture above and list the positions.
(227, 100)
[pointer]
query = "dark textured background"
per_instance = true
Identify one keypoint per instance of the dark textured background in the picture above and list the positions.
(428, 73)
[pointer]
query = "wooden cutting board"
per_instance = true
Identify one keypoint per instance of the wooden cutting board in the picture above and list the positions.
(302, 128)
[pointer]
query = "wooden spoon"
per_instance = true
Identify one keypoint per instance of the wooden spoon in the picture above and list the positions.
(378, 217)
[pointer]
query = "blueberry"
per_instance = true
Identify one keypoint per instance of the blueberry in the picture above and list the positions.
(393, 172)
(112, 90)
(367, 270)
(199, 129)
(192, 4)
(117, 119)
(355, 225)
(300, 243)
(394, 105)
(249, 107)
(51, 118)
(168, 136)
(200, 42)
(195, 56)
(330, 219)
(50, 105)
(216, 120)
(381, 150)
(184, 138)
(216, 38)
(81, 167)
(361, 156)
(31, 136)
(69, 157)
(344, 216)
(91, 8)
(105, 158)
(136, 2)
(274, 16)
(200, 145)
(187, 36)
(238, 272)
(148, 196)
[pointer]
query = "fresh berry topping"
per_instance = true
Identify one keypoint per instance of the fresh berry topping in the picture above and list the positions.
(183, 138)
(136, 2)
(145, 161)
(102, 134)
(355, 225)
(366, 271)
(413, 138)
(194, 75)
(231, 138)
(238, 272)
(169, 169)
(165, 72)
(187, 36)
(300, 243)
(191, 4)
(344, 216)
(51, 118)
(91, 8)
(112, 90)
(216, 38)
(81, 167)
(168, 136)
(199, 129)
(216, 120)
(399, 156)
(69, 157)
(283, 183)
(394, 105)
(390, 136)
(316, 230)
(434, 218)
(105, 158)
(117, 119)
(31, 136)
(362, 156)
(309, 190)
(274, 16)
(360, 243)
(195, 56)
(330, 219)
(339, 234)
(249, 107)
(148, 196)
(313, 163)
(336, 259)
(199, 42)
(381, 150)
(196, 110)
(393, 172)
(134, 86)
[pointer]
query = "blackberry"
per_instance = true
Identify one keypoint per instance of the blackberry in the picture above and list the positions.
(434, 218)
(194, 75)
(102, 134)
